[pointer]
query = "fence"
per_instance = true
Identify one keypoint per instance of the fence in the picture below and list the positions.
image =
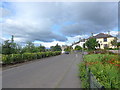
(93, 83)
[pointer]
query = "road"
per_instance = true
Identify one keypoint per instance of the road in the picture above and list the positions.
(53, 72)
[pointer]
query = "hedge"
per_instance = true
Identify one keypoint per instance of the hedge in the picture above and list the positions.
(18, 58)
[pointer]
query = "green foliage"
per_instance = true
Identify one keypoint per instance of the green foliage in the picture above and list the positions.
(29, 56)
(113, 48)
(6, 47)
(9, 47)
(107, 74)
(83, 75)
(68, 49)
(114, 42)
(17, 58)
(84, 45)
(91, 44)
(29, 48)
(56, 48)
(78, 47)
(6, 59)
(118, 44)
(41, 48)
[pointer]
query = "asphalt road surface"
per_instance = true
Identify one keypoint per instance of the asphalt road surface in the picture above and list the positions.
(53, 72)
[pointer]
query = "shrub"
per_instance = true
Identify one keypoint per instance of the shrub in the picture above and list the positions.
(18, 58)
(39, 55)
(6, 59)
(83, 75)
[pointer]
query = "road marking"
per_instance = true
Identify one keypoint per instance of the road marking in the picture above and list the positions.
(63, 76)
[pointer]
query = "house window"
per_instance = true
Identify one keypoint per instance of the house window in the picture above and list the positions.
(105, 39)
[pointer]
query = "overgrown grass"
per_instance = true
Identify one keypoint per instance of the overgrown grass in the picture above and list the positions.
(108, 74)
(83, 75)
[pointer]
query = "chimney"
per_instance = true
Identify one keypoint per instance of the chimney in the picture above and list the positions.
(92, 34)
(108, 32)
(79, 38)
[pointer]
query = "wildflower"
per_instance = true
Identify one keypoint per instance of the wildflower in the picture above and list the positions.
(117, 64)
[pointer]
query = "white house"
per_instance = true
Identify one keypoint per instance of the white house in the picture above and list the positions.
(63, 47)
(79, 43)
(103, 39)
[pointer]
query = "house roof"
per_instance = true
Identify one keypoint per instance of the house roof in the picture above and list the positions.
(102, 35)
(82, 40)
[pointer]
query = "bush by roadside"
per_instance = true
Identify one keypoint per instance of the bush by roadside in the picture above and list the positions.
(100, 51)
(18, 58)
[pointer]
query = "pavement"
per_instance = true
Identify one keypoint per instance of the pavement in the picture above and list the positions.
(115, 51)
(53, 72)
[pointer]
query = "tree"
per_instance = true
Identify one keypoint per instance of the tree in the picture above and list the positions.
(78, 47)
(118, 44)
(6, 47)
(52, 48)
(29, 47)
(69, 48)
(41, 48)
(56, 48)
(114, 43)
(92, 44)
(13, 45)
(9, 47)
(18, 49)
(84, 45)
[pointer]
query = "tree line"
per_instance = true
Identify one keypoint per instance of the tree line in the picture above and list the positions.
(10, 47)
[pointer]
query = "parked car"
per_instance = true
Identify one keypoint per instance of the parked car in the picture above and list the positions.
(66, 52)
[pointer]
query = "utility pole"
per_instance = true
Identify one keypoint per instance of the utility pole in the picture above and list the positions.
(12, 39)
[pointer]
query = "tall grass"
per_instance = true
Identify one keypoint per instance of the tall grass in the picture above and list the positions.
(106, 73)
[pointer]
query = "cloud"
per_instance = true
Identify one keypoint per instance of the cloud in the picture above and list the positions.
(49, 44)
(75, 39)
(34, 21)
(92, 17)
(30, 31)
(4, 12)
(114, 33)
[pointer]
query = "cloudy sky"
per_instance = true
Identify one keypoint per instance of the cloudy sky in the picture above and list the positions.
(48, 23)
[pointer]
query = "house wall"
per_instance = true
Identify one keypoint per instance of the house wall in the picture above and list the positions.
(79, 44)
(102, 43)
(63, 47)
